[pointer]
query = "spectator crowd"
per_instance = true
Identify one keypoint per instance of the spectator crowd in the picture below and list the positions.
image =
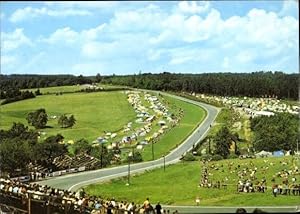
(15, 195)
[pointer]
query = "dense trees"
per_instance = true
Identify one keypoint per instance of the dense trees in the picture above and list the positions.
(21, 132)
(51, 148)
(103, 154)
(15, 154)
(135, 157)
(16, 147)
(277, 132)
(254, 84)
(225, 84)
(82, 146)
(10, 85)
(14, 95)
(9, 82)
(223, 140)
(19, 146)
(38, 118)
(66, 122)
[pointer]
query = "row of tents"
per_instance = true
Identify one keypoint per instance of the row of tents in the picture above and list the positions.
(278, 153)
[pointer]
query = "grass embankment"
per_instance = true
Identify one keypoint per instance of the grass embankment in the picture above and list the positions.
(179, 185)
(58, 89)
(70, 88)
(94, 113)
(193, 116)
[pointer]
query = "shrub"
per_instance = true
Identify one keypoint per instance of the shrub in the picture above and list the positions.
(232, 156)
(189, 157)
(206, 157)
(217, 157)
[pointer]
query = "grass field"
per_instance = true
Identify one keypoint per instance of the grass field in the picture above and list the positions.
(179, 185)
(94, 112)
(68, 88)
(98, 112)
(64, 89)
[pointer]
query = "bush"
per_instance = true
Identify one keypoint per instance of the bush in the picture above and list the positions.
(137, 157)
(206, 157)
(217, 157)
(189, 157)
(232, 156)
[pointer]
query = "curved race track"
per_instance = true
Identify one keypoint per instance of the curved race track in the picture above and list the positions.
(78, 180)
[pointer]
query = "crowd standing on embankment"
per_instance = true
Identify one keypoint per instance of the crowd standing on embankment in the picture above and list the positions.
(250, 178)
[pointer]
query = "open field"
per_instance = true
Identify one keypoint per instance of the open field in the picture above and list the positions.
(69, 88)
(98, 112)
(94, 112)
(64, 89)
(179, 185)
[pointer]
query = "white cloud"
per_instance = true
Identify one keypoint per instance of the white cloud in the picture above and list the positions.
(147, 19)
(29, 13)
(290, 7)
(193, 6)
(245, 56)
(63, 35)
(93, 33)
(190, 28)
(14, 40)
(68, 36)
(154, 54)
(99, 49)
(185, 54)
(84, 4)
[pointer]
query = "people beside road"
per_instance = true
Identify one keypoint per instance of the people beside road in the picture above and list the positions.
(240, 210)
(158, 208)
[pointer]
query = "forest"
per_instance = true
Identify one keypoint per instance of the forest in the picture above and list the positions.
(255, 84)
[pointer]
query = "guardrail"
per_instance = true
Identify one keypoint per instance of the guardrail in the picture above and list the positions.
(27, 178)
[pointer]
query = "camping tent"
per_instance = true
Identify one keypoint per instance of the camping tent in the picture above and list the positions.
(278, 153)
(263, 154)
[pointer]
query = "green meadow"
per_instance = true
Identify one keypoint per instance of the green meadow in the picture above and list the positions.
(94, 113)
(179, 185)
(69, 88)
(98, 112)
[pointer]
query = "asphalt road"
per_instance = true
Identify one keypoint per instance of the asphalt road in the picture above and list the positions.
(78, 180)
(221, 209)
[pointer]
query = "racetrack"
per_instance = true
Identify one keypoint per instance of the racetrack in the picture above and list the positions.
(78, 180)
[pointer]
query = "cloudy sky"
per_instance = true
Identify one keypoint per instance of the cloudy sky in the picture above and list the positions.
(127, 37)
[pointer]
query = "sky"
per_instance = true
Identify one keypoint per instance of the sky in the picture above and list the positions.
(86, 38)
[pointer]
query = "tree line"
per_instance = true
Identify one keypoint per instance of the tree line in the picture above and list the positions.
(11, 85)
(14, 95)
(256, 84)
(23, 81)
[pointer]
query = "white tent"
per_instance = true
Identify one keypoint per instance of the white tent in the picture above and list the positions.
(263, 154)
